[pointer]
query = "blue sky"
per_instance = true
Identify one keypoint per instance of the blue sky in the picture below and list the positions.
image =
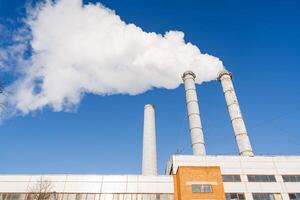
(258, 41)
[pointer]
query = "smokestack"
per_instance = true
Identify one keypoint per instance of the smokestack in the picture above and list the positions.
(195, 126)
(239, 128)
(149, 167)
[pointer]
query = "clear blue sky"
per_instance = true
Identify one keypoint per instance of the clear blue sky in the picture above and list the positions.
(259, 41)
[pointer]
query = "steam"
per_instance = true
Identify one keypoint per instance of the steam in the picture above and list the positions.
(77, 49)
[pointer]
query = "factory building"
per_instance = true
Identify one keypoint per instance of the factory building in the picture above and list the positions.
(187, 177)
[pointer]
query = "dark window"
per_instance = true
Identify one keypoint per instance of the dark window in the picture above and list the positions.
(201, 188)
(235, 196)
(294, 196)
(80, 196)
(90, 197)
(291, 178)
(266, 196)
(261, 178)
(231, 178)
(16, 196)
(12, 196)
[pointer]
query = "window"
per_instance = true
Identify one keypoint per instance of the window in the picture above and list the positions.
(235, 196)
(127, 196)
(13, 196)
(53, 196)
(266, 196)
(116, 197)
(165, 197)
(294, 196)
(80, 196)
(261, 178)
(72, 197)
(90, 196)
(201, 188)
(231, 178)
(121, 196)
(30, 196)
(59, 196)
(65, 196)
(33, 196)
(291, 178)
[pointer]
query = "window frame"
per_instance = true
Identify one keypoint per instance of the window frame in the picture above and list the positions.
(233, 175)
(237, 194)
(273, 196)
(297, 178)
(297, 196)
(202, 186)
(261, 175)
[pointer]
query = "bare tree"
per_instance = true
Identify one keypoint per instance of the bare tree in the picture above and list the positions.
(42, 190)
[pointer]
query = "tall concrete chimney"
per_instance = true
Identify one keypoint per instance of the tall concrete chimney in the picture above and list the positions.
(195, 126)
(239, 128)
(149, 167)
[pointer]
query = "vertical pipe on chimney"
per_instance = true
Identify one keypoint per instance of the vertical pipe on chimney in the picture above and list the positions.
(239, 128)
(195, 126)
(149, 165)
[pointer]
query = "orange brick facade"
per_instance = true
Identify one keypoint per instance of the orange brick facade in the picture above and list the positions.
(187, 176)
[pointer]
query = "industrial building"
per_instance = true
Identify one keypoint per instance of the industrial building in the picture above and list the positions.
(187, 177)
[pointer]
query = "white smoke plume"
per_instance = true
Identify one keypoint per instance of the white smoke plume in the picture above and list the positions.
(78, 49)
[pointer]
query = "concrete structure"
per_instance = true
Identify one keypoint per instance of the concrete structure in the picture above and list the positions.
(276, 168)
(195, 126)
(149, 167)
(187, 177)
(110, 187)
(235, 114)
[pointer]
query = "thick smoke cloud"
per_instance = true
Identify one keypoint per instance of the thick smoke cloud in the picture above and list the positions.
(78, 49)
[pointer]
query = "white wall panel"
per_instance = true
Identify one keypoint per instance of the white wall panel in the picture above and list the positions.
(82, 187)
(13, 186)
(292, 187)
(234, 187)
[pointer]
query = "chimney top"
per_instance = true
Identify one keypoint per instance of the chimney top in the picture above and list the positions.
(224, 72)
(149, 105)
(186, 73)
